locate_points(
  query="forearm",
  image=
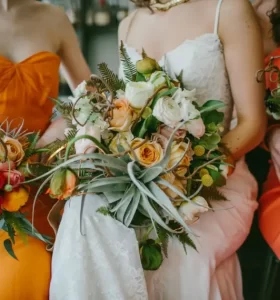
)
(243, 138)
(54, 131)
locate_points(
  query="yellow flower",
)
(178, 156)
(203, 172)
(207, 180)
(199, 150)
(148, 154)
(15, 149)
(14, 200)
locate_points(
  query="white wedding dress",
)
(102, 261)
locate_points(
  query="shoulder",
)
(237, 17)
(51, 14)
(124, 24)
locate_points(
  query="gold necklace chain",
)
(166, 6)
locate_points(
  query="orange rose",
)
(148, 154)
(122, 115)
(15, 150)
(14, 200)
(177, 152)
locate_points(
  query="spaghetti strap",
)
(218, 9)
(133, 14)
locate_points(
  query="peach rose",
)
(148, 154)
(122, 115)
(15, 150)
(166, 131)
(177, 152)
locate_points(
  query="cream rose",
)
(85, 145)
(196, 127)
(167, 111)
(177, 152)
(148, 154)
(137, 93)
(122, 115)
(190, 212)
(15, 150)
(122, 139)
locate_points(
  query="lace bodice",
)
(203, 65)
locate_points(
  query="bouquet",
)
(17, 146)
(146, 145)
(272, 97)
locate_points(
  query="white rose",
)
(137, 93)
(122, 139)
(85, 145)
(181, 94)
(158, 79)
(188, 110)
(190, 211)
(167, 111)
(80, 89)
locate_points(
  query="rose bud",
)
(146, 65)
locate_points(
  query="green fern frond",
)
(110, 78)
(33, 140)
(64, 109)
(212, 194)
(128, 66)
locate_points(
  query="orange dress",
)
(24, 91)
(269, 209)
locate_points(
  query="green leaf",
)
(211, 141)
(132, 209)
(9, 247)
(150, 124)
(140, 77)
(211, 105)
(110, 78)
(113, 196)
(129, 68)
(219, 179)
(180, 79)
(215, 117)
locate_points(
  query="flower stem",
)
(88, 137)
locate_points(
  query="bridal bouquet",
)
(148, 147)
(16, 149)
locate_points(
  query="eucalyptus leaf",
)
(2, 223)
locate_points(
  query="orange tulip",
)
(62, 184)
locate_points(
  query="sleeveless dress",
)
(24, 91)
(100, 260)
